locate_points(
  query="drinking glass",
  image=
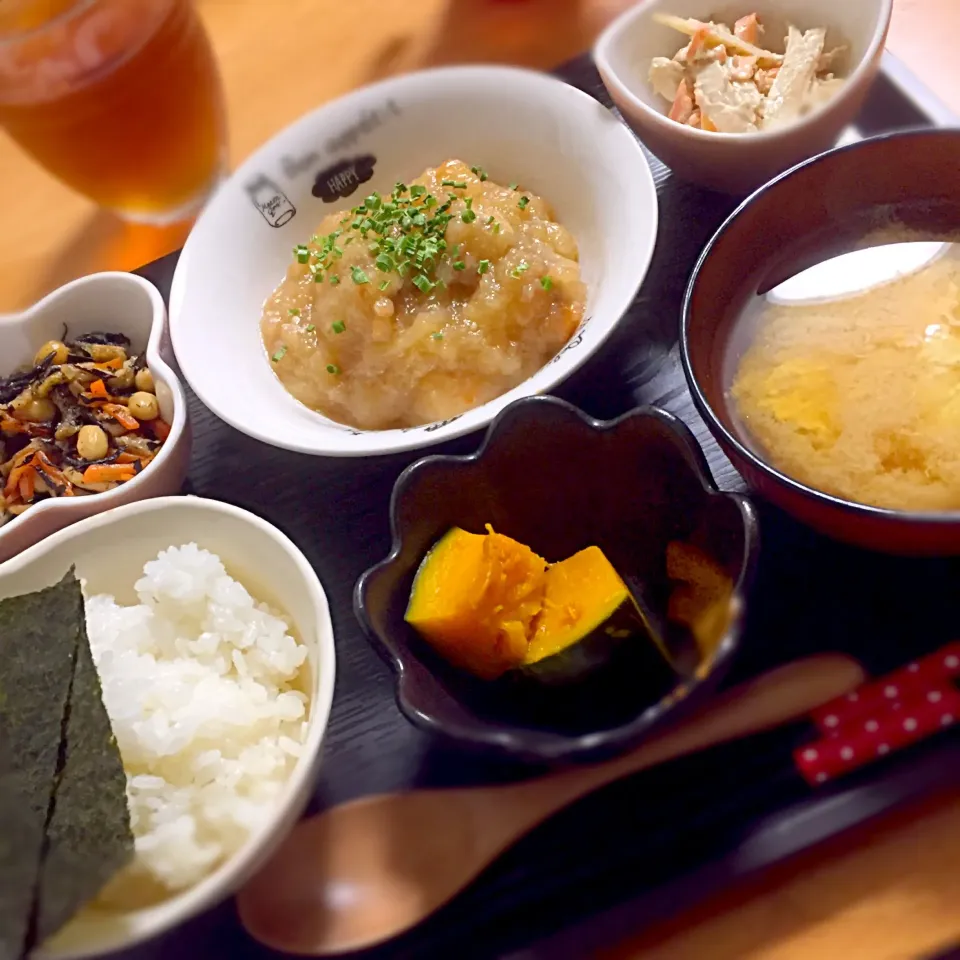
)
(120, 99)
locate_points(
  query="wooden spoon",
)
(363, 872)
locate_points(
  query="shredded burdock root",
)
(722, 81)
(81, 420)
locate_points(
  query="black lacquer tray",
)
(641, 849)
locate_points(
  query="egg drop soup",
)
(860, 396)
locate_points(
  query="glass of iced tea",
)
(120, 99)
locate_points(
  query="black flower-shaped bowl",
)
(555, 479)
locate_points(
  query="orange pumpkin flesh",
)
(588, 612)
(474, 600)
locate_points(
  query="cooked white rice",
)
(199, 681)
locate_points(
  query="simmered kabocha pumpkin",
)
(588, 612)
(474, 600)
(702, 596)
(489, 604)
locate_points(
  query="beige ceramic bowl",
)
(118, 303)
(108, 552)
(739, 162)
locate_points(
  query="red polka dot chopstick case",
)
(882, 716)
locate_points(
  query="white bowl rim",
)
(155, 362)
(559, 370)
(626, 21)
(141, 925)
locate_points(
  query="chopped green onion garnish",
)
(303, 254)
(479, 172)
(278, 356)
(513, 186)
(546, 283)
(404, 233)
(522, 202)
(294, 312)
(489, 220)
(521, 268)
(338, 326)
(483, 266)
(437, 335)
(310, 328)
(333, 368)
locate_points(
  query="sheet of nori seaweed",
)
(38, 645)
(21, 846)
(88, 837)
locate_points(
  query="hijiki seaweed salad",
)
(81, 420)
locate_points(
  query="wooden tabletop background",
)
(887, 892)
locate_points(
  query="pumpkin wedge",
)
(588, 612)
(474, 600)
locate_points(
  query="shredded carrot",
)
(99, 389)
(747, 28)
(10, 425)
(26, 484)
(52, 473)
(697, 41)
(122, 415)
(682, 108)
(161, 429)
(131, 459)
(108, 473)
(16, 474)
(114, 364)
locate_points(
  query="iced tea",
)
(120, 99)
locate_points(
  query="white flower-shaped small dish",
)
(518, 125)
(108, 552)
(115, 303)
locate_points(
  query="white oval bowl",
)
(118, 303)
(519, 125)
(738, 162)
(109, 552)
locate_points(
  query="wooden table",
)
(887, 892)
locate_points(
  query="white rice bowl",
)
(205, 691)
